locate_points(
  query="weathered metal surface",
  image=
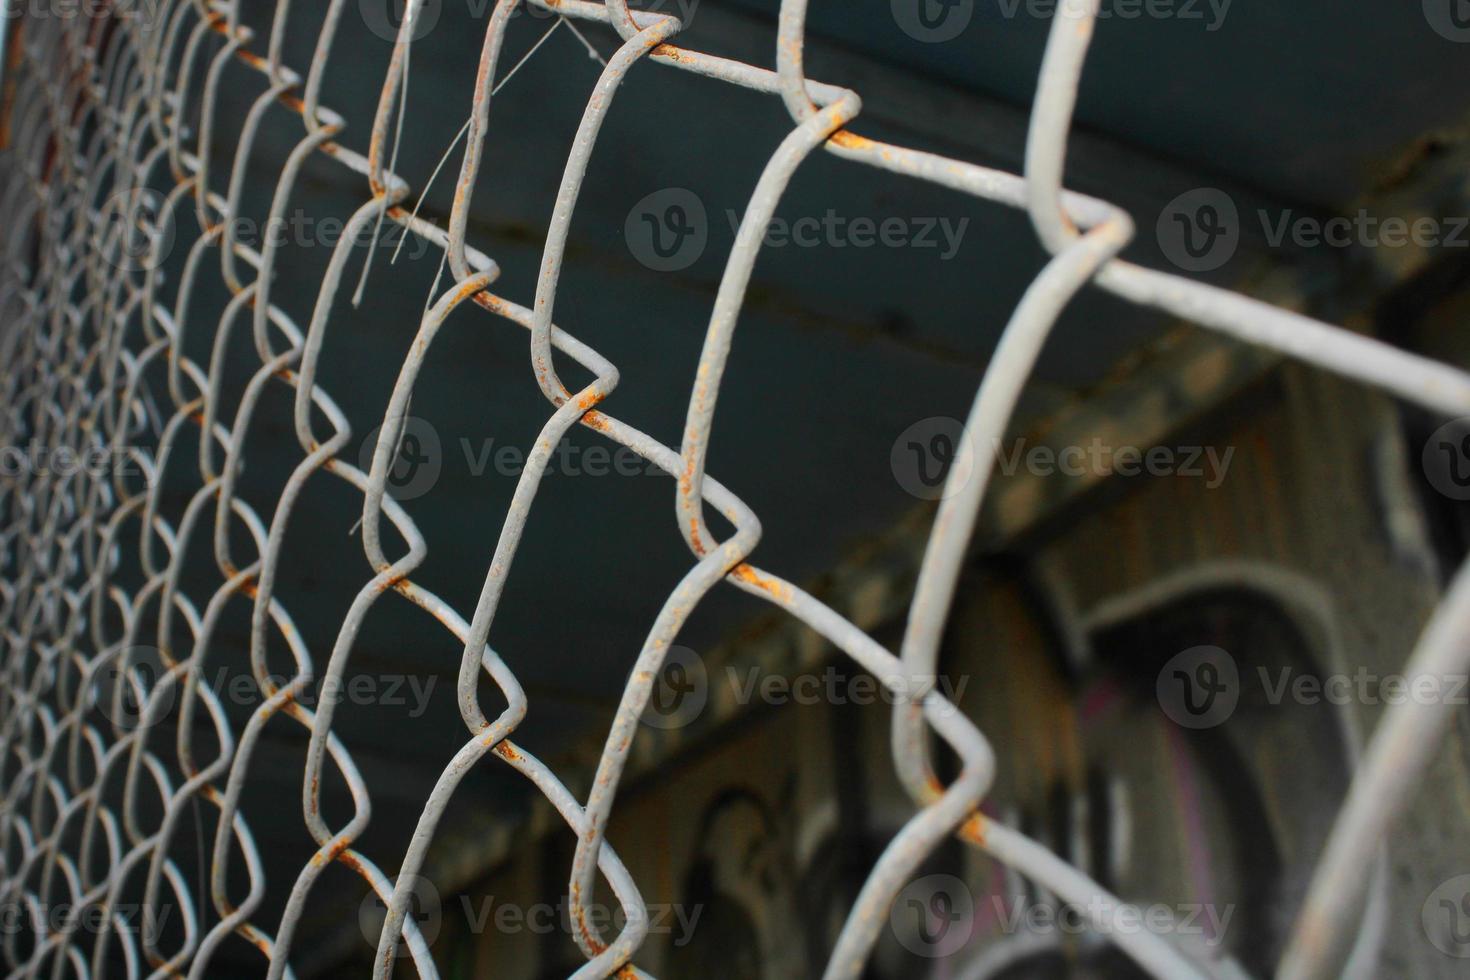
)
(103, 103)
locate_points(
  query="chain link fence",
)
(111, 741)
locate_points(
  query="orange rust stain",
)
(851, 140)
(507, 751)
(667, 51)
(694, 536)
(973, 829)
(595, 420)
(469, 288)
(746, 573)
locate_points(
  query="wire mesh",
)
(99, 111)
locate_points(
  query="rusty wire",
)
(81, 329)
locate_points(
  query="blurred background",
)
(1166, 493)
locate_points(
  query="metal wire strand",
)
(110, 109)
